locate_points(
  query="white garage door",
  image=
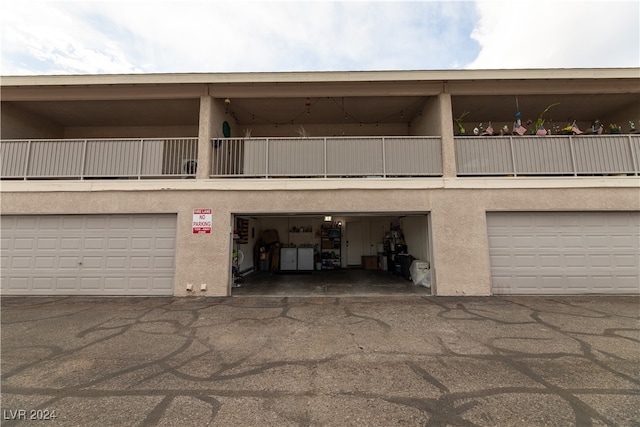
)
(564, 252)
(88, 254)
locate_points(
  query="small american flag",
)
(520, 130)
(488, 130)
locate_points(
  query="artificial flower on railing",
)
(567, 130)
(488, 131)
(480, 130)
(539, 127)
(461, 129)
(614, 128)
(597, 127)
(571, 129)
(517, 126)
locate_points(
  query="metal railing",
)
(322, 157)
(98, 158)
(556, 155)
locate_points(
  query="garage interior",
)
(331, 254)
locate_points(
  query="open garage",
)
(331, 253)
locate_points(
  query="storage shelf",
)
(330, 247)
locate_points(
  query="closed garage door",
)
(564, 252)
(88, 254)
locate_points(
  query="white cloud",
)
(137, 36)
(194, 36)
(557, 34)
(44, 35)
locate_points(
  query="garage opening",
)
(327, 254)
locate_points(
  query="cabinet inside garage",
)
(277, 245)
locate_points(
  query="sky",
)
(156, 36)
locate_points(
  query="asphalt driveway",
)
(348, 361)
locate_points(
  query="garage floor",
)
(340, 282)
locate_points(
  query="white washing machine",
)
(288, 259)
(305, 259)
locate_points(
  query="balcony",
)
(345, 157)
(560, 155)
(320, 157)
(98, 158)
(230, 158)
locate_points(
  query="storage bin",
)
(370, 262)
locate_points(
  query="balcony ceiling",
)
(502, 108)
(246, 111)
(330, 109)
(156, 112)
(325, 110)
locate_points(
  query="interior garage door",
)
(88, 254)
(564, 252)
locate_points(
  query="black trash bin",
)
(404, 261)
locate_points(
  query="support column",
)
(204, 137)
(446, 132)
(460, 244)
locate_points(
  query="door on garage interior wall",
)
(354, 243)
(376, 235)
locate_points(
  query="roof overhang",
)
(85, 100)
(325, 77)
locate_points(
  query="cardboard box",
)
(370, 262)
(270, 236)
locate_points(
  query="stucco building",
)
(151, 184)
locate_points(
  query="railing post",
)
(384, 159)
(573, 157)
(325, 157)
(634, 159)
(26, 161)
(83, 166)
(266, 159)
(140, 154)
(513, 156)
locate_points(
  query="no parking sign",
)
(202, 221)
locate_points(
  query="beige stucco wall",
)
(329, 129)
(219, 115)
(428, 122)
(457, 216)
(448, 142)
(131, 132)
(18, 123)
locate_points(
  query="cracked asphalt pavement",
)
(347, 361)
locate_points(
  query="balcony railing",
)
(98, 158)
(347, 157)
(549, 155)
